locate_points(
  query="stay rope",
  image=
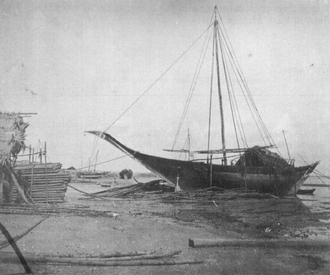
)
(249, 99)
(192, 88)
(229, 89)
(170, 67)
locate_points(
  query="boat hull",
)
(189, 175)
(198, 175)
(306, 191)
(90, 176)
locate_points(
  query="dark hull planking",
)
(306, 191)
(196, 175)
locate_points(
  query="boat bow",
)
(114, 142)
(145, 160)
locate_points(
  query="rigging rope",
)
(229, 86)
(233, 102)
(226, 49)
(192, 88)
(135, 101)
(124, 156)
(239, 76)
(250, 102)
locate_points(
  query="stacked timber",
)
(44, 182)
(134, 190)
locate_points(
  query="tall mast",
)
(219, 91)
(188, 144)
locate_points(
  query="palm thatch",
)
(12, 136)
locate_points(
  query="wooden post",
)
(1, 184)
(31, 182)
(177, 187)
(30, 154)
(245, 175)
(211, 172)
(177, 183)
(46, 174)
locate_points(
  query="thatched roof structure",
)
(258, 156)
(12, 136)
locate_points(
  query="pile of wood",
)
(157, 190)
(43, 182)
(134, 190)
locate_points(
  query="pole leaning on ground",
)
(16, 249)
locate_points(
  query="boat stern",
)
(309, 169)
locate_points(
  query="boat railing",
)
(290, 161)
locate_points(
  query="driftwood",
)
(127, 259)
(17, 237)
(111, 263)
(133, 256)
(11, 241)
(91, 256)
(269, 243)
(41, 210)
(147, 257)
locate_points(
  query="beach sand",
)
(144, 224)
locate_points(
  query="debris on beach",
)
(134, 258)
(133, 190)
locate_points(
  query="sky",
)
(80, 64)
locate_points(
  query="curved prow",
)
(149, 162)
(114, 142)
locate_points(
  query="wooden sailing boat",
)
(91, 174)
(255, 168)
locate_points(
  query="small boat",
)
(305, 191)
(317, 185)
(256, 168)
(91, 175)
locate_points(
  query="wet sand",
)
(144, 224)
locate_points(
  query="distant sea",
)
(320, 200)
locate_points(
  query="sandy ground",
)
(166, 226)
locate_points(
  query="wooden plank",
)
(268, 243)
